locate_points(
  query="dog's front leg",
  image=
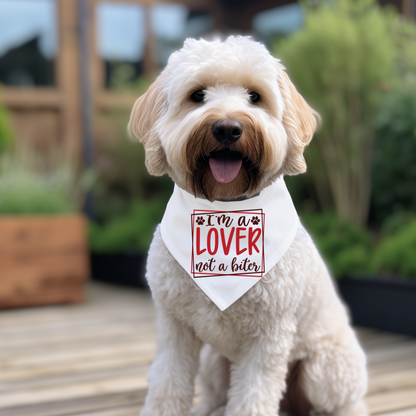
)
(172, 374)
(258, 379)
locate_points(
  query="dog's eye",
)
(254, 97)
(198, 96)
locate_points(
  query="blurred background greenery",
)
(353, 60)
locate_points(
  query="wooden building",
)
(45, 116)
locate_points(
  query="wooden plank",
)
(371, 337)
(21, 236)
(106, 100)
(43, 259)
(134, 360)
(48, 357)
(75, 406)
(123, 332)
(379, 339)
(125, 411)
(76, 391)
(44, 279)
(391, 352)
(42, 272)
(392, 400)
(395, 380)
(392, 365)
(91, 360)
(90, 376)
(411, 411)
(73, 322)
(68, 77)
(28, 98)
(136, 309)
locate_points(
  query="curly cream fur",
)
(292, 316)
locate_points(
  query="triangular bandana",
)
(227, 247)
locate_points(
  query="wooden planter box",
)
(123, 269)
(43, 260)
(380, 303)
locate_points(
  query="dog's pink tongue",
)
(224, 169)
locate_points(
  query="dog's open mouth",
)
(225, 165)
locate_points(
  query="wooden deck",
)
(92, 359)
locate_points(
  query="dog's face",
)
(223, 120)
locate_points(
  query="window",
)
(28, 42)
(135, 40)
(279, 21)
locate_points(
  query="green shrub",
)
(6, 135)
(346, 247)
(341, 61)
(394, 167)
(27, 189)
(396, 222)
(397, 253)
(129, 233)
(123, 177)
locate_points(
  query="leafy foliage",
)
(27, 189)
(346, 247)
(341, 66)
(394, 168)
(396, 222)
(129, 233)
(6, 134)
(123, 177)
(396, 253)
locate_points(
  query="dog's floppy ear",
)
(146, 112)
(300, 122)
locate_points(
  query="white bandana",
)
(227, 247)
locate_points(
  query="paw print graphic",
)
(200, 220)
(255, 220)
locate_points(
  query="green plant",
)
(129, 233)
(123, 177)
(396, 222)
(6, 134)
(345, 246)
(394, 168)
(26, 188)
(396, 253)
(123, 77)
(341, 61)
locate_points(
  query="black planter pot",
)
(123, 269)
(380, 303)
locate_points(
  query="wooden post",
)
(86, 104)
(150, 66)
(409, 9)
(68, 77)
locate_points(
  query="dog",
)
(286, 344)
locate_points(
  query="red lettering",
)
(253, 237)
(226, 244)
(210, 251)
(238, 238)
(198, 242)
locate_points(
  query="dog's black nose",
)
(227, 131)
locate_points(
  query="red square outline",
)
(206, 212)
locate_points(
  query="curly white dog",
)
(225, 122)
